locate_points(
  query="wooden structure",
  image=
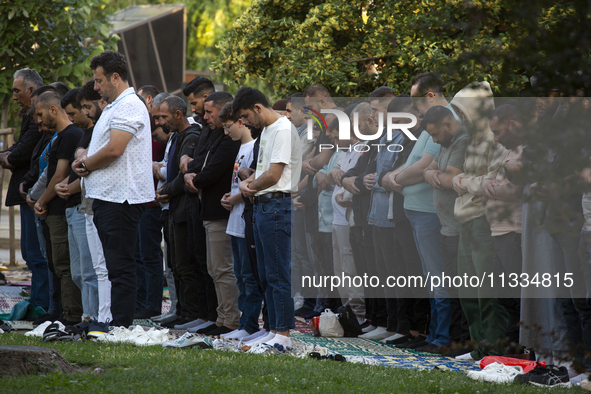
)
(6, 140)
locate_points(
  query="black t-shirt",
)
(76, 199)
(63, 147)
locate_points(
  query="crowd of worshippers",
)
(245, 197)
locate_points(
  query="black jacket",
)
(20, 158)
(362, 202)
(175, 188)
(31, 177)
(213, 166)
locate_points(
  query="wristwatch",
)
(83, 165)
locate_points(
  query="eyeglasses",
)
(227, 128)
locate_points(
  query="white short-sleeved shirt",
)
(235, 221)
(280, 143)
(129, 178)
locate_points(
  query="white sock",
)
(256, 335)
(266, 339)
(239, 335)
(281, 340)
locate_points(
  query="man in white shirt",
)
(276, 177)
(118, 175)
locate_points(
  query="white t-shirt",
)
(235, 221)
(280, 143)
(129, 178)
(346, 162)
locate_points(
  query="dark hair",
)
(383, 91)
(42, 89)
(48, 99)
(295, 95)
(219, 99)
(143, 100)
(505, 113)
(149, 90)
(400, 103)
(60, 88)
(246, 98)
(279, 105)
(111, 62)
(88, 93)
(317, 90)
(427, 82)
(226, 114)
(198, 85)
(71, 98)
(435, 115)
(174, 104)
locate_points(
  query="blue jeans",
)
(250, 298)
(149, 260)
(426, 229)
(83, 273)
(272, 231)
(31, 252)
(43, 248)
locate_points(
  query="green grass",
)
(130, 369)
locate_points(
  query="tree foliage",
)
(57, 38)
(356, 46)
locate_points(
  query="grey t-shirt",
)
(444, 200)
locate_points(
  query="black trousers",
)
(165, 218)
(205, 295)
(458, 328)
(117, 226)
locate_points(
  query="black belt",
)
(269, 196)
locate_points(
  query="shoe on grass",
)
(545, 376)
(188, 340)
(97, 329)
(497, 373)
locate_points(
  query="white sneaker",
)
(236, 334)
(152, 337)
(189, 340)
(378, 333)
(392, 338)
(497, 373)
(466, 357)
(116, 335)
(38, 331)
(368, 328)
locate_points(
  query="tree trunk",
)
(29, 360)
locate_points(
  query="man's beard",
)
(25, 112)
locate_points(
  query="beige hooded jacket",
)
(483, 155)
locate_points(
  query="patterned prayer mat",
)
(358, 346)
(9, 296)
